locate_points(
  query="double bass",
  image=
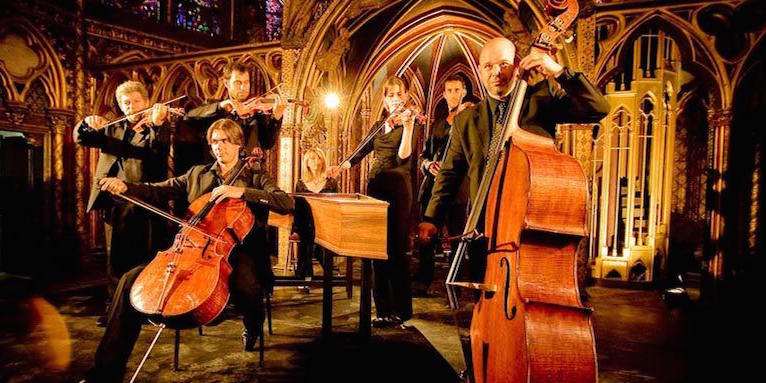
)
(529, 324)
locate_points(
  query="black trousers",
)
(392, 290)
(124, 322)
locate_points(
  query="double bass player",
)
(564, 97)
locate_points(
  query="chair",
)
(177, 342)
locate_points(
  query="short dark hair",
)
(237, 66)
(455, 77)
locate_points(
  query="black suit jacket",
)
(545, 105)
(260, 130)
(144, 157)
(261, 194)
(434, 149)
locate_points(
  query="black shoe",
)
(248, 340)
(389, 321)
(380, 322)
(101, 321)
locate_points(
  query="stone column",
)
(366, 124)
(286, 145)
(58, 124)
(586, 46)
(720, 126)
(80, 154)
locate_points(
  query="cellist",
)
(563, 97)
(251, 273)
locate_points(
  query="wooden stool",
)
(291, 260)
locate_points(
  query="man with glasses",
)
(562, 97)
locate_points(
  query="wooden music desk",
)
(349, 225)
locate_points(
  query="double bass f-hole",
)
(506, 264)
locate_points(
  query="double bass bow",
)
(529, 324)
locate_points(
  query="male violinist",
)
(563, 97)
(260, 121)
(133, 150)
(430, 163)
(251, 270)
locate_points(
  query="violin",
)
(173, 113)
(405, 112)
(177, 112)
(263, 104)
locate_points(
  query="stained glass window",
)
(199, 15)
(149, 9)
(274, 11)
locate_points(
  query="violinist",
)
(133, 150)
(391, 179)
(259, 118)
(562, 97)
(430, 162)
(251, 270)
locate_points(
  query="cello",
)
(187, 285)
(529, 324)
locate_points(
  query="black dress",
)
(391, 180)
(304, 226)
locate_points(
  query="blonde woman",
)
(314, 179)
(314, 174)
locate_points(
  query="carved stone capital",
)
(16, 116)
(59, 120)
(719, 118)
(287, 130)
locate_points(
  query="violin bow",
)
(142, 111)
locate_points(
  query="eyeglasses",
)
(503, 65)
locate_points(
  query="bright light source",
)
(331, 100)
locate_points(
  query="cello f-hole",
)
(504, 263)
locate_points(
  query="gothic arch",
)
(133, 55)
(466, 17)
(695, 50)
(22, 39)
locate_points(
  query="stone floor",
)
(639, 338)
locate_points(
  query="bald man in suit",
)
(563, 97)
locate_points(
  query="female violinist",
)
(391, 179)
(251, 271)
